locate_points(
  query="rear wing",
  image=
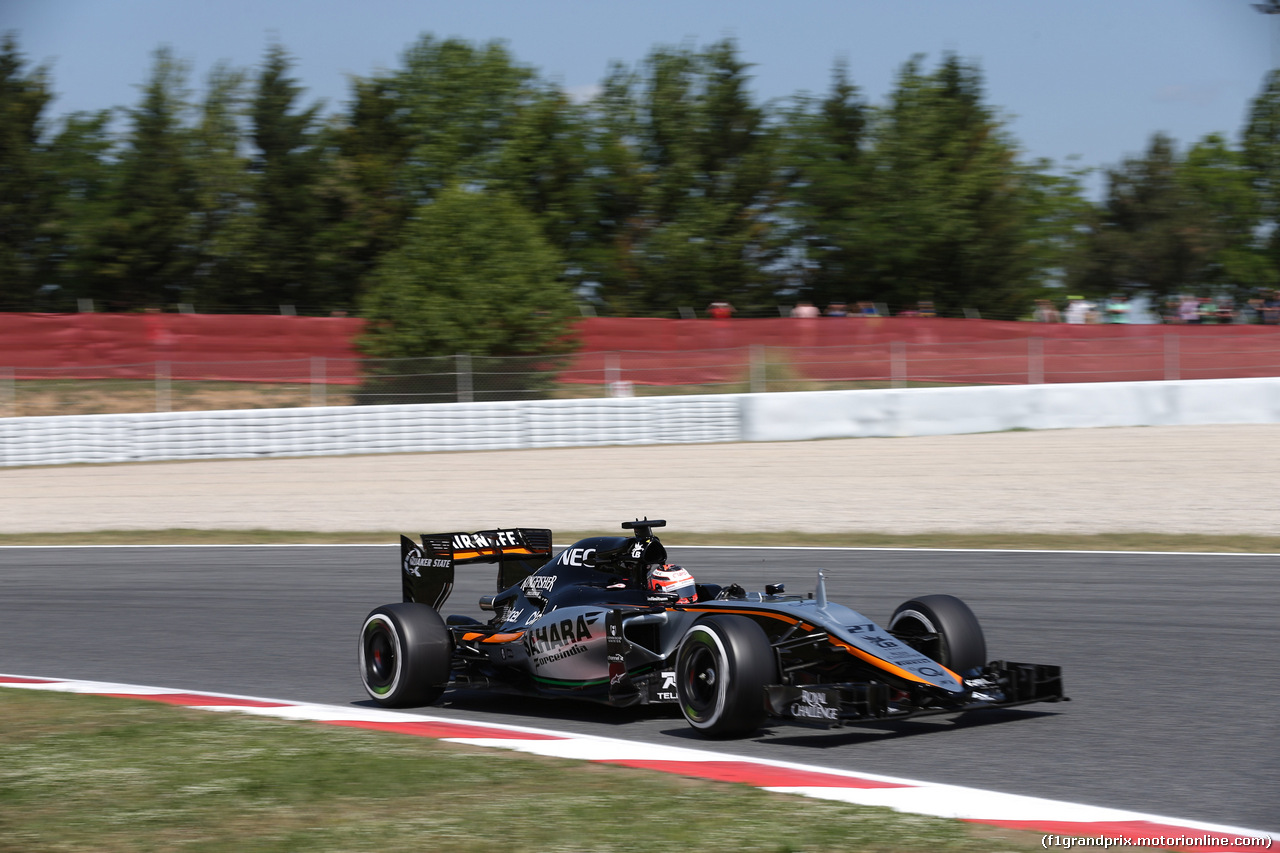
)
(426, 573)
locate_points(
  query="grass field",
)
(103, 774)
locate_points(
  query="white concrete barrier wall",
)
(638, 420)
(951, 411)
(368, 429)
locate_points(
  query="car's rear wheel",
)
(722, 667)
(405, 655)
(944, 628)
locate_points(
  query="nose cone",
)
(875, 645)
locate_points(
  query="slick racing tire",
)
(722, 667)
(405, 655)
(944, 628)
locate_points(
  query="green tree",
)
(1261, 151)
(924, 198)
(26, 200)
(84, 175)
(826, 172)
(547, 166)
(1171, 223)
(286, 168)
(950, 213)
(474, 274)
(150, 234)
(1226, 218)
(692, 159)
(445, 116)
(618, 177)
(222, 215)
(363, 192)
(458, 103)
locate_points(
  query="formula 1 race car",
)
(608, 620)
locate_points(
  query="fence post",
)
(898, 364)
(465, 390)
(614, 384)
(759, 381)
(319, 390)
(163, 387)
(1172, 369)
(612, 372)
(1035, 361)
(8, 393)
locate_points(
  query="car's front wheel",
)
(722, 667)
(944, 628)
(405, 655)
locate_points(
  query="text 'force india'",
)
(592, 623)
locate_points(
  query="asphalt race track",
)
(1170, 659)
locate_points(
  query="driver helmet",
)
(672, 580)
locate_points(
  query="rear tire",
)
(959, 644)
(406, 652)
(722, 667)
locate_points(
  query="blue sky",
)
(1090, 78)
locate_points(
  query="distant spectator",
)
(1208, 311)
(720, 310)
(1251, 312)
(1189, 310)
(804, 310)
(1270, 309)
(1046, 313)
(1225, 310)
(1078, 310)
(837, 309)
(867, 309)
(1118, 309)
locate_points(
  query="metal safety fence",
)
(175, 385)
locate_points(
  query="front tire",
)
(722, 667)
(406, 652)
(944, 628)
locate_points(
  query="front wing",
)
(1001, 684)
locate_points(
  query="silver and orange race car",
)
(607, 619)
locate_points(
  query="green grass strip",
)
(101, 774)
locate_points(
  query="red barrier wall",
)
(269, 348)
(664, 352)
(624, 333)
(205, 346)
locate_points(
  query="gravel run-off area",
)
(1191, 479)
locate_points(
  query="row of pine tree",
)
(463, 184)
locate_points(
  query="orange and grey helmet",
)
(672, 580)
